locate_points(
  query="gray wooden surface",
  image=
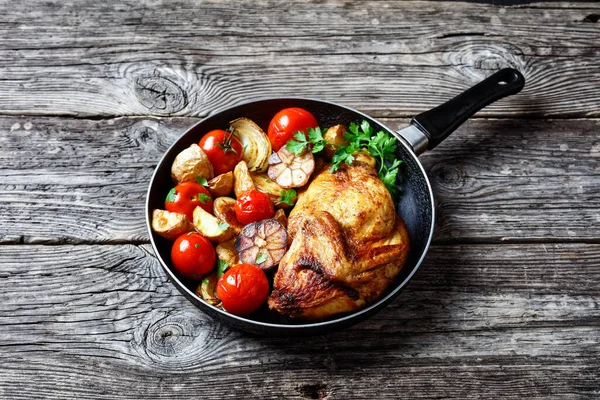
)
(507, 302)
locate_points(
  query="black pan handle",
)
(442, 120)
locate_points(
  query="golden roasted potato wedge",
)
(170, 225)
(226, 252)
(266, 185)
(190, 164)
(280, 217)
(207, 289)
(221, 185)
(242, 179)
(334, 135)
(211, 227)
(224, 209)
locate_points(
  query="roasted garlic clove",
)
(262, 243)
(290, 170)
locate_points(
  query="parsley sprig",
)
(362, 138)
(287, 197)
(315, 138)
(380, 145)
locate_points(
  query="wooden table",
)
(507, 302)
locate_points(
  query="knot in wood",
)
(449, 176)
(170, 337)
(160, 94)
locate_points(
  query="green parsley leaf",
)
(261, 258)
(287, 197)
(197, 245)
(171, 196)
(223, 265)
(380, 145)
(299, 145)
(223, 226)
(201, 181)
(204, 198)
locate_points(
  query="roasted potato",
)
(266, 185)
(190, 164)
(224, 209)
(242, 179)
(207, 289)
(221, 185)
(170, 225)
(334, 135)
(226, 251)
(211, 227)
(280, 217)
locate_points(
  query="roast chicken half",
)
(348, 245)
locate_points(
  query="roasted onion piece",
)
(262, 243)
(257, 147)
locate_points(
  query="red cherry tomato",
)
(253, 206)
(287, 122)
(223, 150)
(193, 256)
(243, 289)
(186, 196)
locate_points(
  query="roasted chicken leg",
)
(348, 245)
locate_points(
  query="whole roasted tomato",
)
(243, 289)
(186, 196)
(252, 206)
(287, 122)
(192, 255)
(223, 150)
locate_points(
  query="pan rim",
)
(348, 318)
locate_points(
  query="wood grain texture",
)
(477, 320)
(71, 180)
(388, 58)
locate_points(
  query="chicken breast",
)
(348, 245)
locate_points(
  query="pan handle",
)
(442, 120)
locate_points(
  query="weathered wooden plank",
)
(70, 180)
(388, 58)
(102, 321)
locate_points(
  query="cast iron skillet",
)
(415, 206)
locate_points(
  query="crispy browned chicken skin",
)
(348, 245)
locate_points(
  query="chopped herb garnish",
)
(171, 196)
(204, 198)
(201, 181)
(261, 258)
(197, 246)
(223, 226)
(223, 265)
(287, 197)
(205, 281)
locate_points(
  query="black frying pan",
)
(415, 205)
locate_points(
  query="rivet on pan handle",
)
(439, 122)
